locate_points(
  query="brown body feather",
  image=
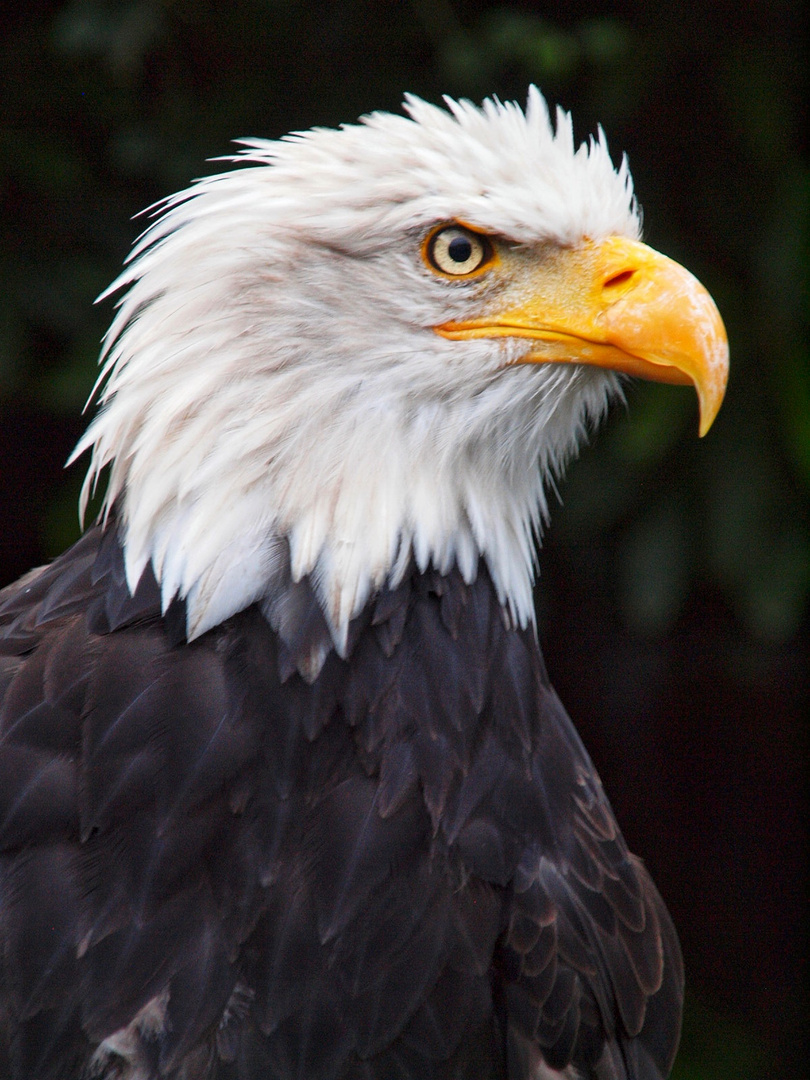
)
(407, 868)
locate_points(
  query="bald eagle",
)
(285, 792)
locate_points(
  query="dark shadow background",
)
(675, 578)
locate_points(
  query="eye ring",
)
(455, 251)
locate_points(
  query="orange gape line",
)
(562, 348)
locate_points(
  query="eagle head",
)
(374, 346)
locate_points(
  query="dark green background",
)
(675, 578)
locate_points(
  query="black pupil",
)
(459, 249)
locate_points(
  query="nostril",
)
(618, 279)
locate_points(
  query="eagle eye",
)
(456, 251)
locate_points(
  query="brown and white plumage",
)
(285, 789)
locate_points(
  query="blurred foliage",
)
(712, 1048)
(715, 1049)
(109, 105)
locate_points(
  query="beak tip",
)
(708, 414)
(711, 393)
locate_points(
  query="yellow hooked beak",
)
(616, 304)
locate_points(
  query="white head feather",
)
(275, 399)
